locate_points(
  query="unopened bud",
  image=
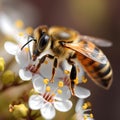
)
(2, 64)
(20, 111)
(8, 77)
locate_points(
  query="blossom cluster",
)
(50, 95)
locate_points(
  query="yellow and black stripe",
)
(101, 74)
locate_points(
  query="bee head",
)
(43, 41)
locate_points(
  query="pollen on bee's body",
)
(46, 81)
(19, 24)
(60, 84)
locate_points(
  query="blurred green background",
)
(100, 18)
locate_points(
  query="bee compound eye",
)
(43, 41)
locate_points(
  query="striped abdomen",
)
(101, 74)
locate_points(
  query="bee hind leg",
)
(73, 76)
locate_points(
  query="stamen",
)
(66, 72)
(46, 62)
(84, 80)
(85, 117)
(60, 84)
(89, 104)
(85, 106)
(91, 115)
(19, 24)
(26, 50)
(48, 88)
(59, 91)
(29, 30)
(46, 81)
(21, 34)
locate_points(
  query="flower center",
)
(48, 97)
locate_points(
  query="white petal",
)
(66, 66)
(25, 75)
(11, 48)
(65, 95)
(36, 102)
(78, 106)
(81, 92)
(38, 84)
(46, 69)
(22, 58)
(63, 106)
(48, 111)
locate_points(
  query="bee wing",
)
(89, 50)
(98, 41)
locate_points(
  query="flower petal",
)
(48, 111)
(78, 106)
(25, 75)
(81, 92)
(63, 106)
(22, 58)
(65, 95)
(11, 48)
(36, 102)
(38, 84)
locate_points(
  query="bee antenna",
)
(27, 43)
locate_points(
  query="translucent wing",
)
(98, 41)
(89, 50)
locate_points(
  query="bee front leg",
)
(73, 75)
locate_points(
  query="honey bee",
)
(68, 44)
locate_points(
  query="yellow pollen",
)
(89, 104)
(60, 84)
(91, 115)
(46, 81)
(29, 30)
(85, 117)
(85, 106)
(66, 72)
(59, 91)
(21, 34)
(84, 80)
(48, 88)
(19, 24)
(26, 50)
(46, 62)
(76, 81)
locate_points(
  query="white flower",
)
(81, 110)
(51, 96)
(23, 58)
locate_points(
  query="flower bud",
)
(2, 64)
(20, 111)
(8, 77)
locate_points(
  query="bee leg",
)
(54, 68)
(41, 61)
(73, 75)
